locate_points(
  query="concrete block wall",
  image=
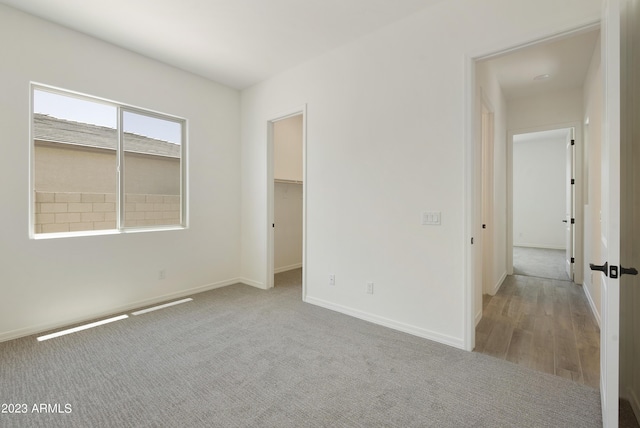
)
(73, 211)
(151, 210)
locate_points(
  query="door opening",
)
(286, 196)
(525, 106)
(616, 15)
(543, 204)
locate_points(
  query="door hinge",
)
(573, 142)
(573, 259)
(573, 181)
(471, 241)
(573, 221)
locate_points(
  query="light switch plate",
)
(431, 218)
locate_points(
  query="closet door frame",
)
(302, 110)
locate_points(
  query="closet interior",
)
(288, 193)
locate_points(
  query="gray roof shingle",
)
(48, 128)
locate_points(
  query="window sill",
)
(45, 236)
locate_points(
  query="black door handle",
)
(564, 221)
(628, 271)
(602, 268)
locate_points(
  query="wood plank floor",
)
(544, 324)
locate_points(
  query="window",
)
(99, 165)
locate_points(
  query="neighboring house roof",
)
(51, 129)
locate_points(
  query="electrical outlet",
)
(162, 274)
(369, 287)
(332, 279)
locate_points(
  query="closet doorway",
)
(286, 195)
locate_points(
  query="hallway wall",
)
(593, 105)
(489, 89)
(539, 191)
(528, 114)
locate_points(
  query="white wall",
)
(593, 134)
(57, 281)
(287, 215)
(547, 111)
(287, 149)
(385, 142)
(489, 89)
(539, 193)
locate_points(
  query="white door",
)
(569, 202)
(630, 204)
(610, 218)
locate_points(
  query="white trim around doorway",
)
(471, 169)
(302, 110)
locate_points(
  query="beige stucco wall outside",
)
(68, 168)
(75, 189)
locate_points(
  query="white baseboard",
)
(635, 403)
(406, 328)
(492, 292)
(287, 268)
(586, 285)
(478, 317)
(498, 284)
(28, 331)
(251, 282)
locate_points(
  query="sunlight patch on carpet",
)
(166, 305)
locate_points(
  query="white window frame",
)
(121, 108)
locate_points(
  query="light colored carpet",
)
(242, 357)
(539, 262)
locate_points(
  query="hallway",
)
(540, 262)
(544, 324)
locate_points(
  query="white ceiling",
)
(566, 60)
(235, 42)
